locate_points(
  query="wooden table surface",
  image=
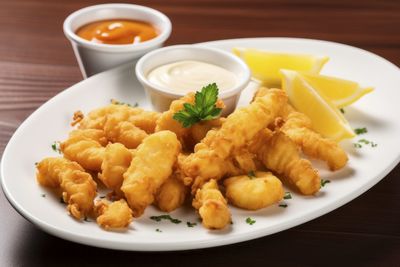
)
(36, 63)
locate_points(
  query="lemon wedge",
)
(325, 117)
(341, 92)
(265, 65)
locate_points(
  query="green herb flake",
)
(43, 195)
(251, 174)
(283, 205)
(324, 182)
(357, 145)
(158, 230)
(116, 102)
(359, 131)
(204, 107)
(287, 195)
(56, 147)
(190, 224)
(165, 217)
(250, 221)
(36, 163)
(364, 142)
(342, 110)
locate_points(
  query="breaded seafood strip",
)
(239, 128)
(87, 152)
(281, 155)
(117, 159)
(253, 193)
(125, 132)
(94, 134)
(171, 194)
(116, 215)
(298, 127)
(212, 206)
(151, 166)
(77, 186)
(96, 119)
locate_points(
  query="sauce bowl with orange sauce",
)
(108, 35)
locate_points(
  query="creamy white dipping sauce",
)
(189, 75)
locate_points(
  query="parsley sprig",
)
(204, 107)
(165, 217)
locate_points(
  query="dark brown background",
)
(36, 62)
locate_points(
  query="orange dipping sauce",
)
(117, 31)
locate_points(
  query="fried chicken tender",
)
(125, 132)
(171, 194)
(298, 127)
(96, 119)
(87, 152)
(115, 215)
(207, 162)
(77, 186)
(150, 167)
(212, 206)
(187, 136)
(281, 155)
(94, 134)
(117, 159)
(241, 162)
(253, 193)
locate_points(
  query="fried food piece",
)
(212, 206)
(117, 159)
(115, 215)
(94, 134)
(253, 193)
(124, 132)
(207, 162)
(150, 167)
(77, 186)
(298, 127)
(96, 119)
(187, 136)
(171, 194)
(281, 155)
(241, 162)
(87, 152)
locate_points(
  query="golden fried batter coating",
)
(212, 206)
(239, 128)
(87, 152)
(94, 134)
(124, 132)
(171, 194)
(96, 119)
(281, 155)
(253, 193)
(117, 159)
(298, 127)
(115, 215)
(77, 186)
(150, 167)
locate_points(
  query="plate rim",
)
(186, 245)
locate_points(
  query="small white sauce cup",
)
(161, 98)
(94, 57)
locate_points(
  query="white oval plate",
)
(378, 112)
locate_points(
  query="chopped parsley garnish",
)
(36, 163)
(204, 107)
(158, 230)
(116, 102)
(287, 195)
(43, 195)
(190, 224)
(324, 182)
(250, 221)
(364, 142)
(342, 110)
(56, 147)
(359, 131)
(251, 174)
(283, 205)
(165, 217)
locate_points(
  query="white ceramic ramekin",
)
(162, 98)
(93, 57)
